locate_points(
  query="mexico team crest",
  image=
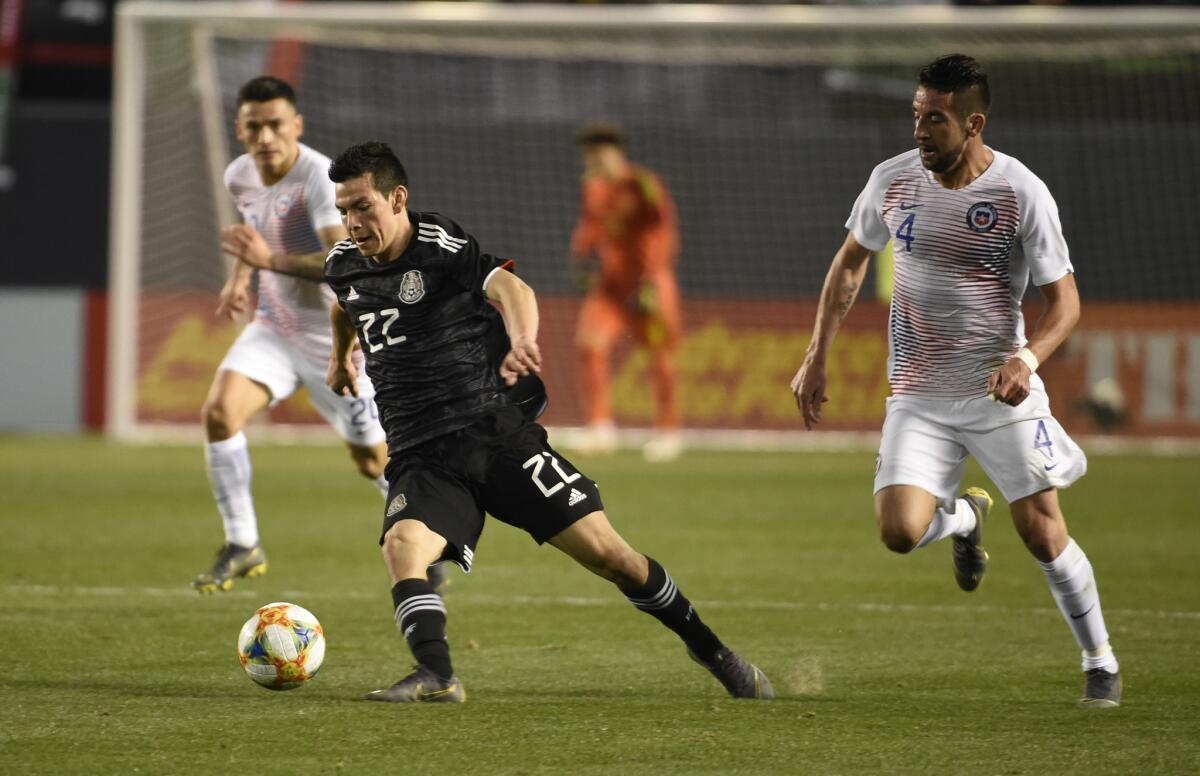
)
(982, 217)
(412, 287)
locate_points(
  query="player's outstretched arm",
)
(518, 305)
(244, 243)
(343, 375)
(235, 295)
(1010, 383)
(837, 296)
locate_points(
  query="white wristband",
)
(1026, 355)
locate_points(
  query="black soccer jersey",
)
(423, 323)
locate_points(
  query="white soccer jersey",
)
(288, 215)
(963, 259)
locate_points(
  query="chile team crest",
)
(982, 217)
(283, 205)
(412, 287)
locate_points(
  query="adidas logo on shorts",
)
(576, 497)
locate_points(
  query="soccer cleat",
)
(970, 559)
(597, 439)
(233, 561)
(663, 447)
(422, 686)
(740, 678)
(1101, 690)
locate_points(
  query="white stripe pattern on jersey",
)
(430, 602)
(660, 600)
(436, 234)
(953, 319)
(280, 213)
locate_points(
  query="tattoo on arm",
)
(847, 298)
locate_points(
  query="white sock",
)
(952, 518)
(1073, 585)
(229, 474)
(382, 483)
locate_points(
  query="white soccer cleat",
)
(663, 447)
(597, 439)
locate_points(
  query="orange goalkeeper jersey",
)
(630, 224)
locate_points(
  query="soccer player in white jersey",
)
(971, 227)
(285, 198)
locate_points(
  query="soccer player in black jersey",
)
(418, 293)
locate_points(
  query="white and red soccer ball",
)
(281, 646)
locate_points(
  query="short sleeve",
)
(1041, 236)
(471, 268)
(866, 217)
(319, 194)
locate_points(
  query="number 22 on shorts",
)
(537, 462)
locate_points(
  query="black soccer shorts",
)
(502, 464)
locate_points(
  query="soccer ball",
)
(281, 646)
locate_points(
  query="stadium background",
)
(763, 158)
(113, 665)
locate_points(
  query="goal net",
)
(764, 122)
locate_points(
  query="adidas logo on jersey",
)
(576, 497)
(350, 297)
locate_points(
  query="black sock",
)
(421, 617)
(660, 599)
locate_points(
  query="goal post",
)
(764, 122)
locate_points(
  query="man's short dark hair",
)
(960, 75)
(266, 88)
(370, 157)
(600, 133)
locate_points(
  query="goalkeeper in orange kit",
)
(627, 221)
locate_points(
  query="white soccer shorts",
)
(267, 357)
(1022, 449)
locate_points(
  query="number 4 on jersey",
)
(905, 232)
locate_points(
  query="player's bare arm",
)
(234, 299)
(1010, 383)
(518, 305)
(244, 243)
(841, 288)
(343, 375)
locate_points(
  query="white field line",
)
(615, 600)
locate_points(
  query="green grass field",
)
(112, 665)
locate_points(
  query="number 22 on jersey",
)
(389, 317)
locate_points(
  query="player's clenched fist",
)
(342, 377)
(244, 243)
(1010, 383)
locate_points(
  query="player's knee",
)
(218, 421)
(368, 463)
(898, 539)
(399, 540)
(897, 534)
(898, 531)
